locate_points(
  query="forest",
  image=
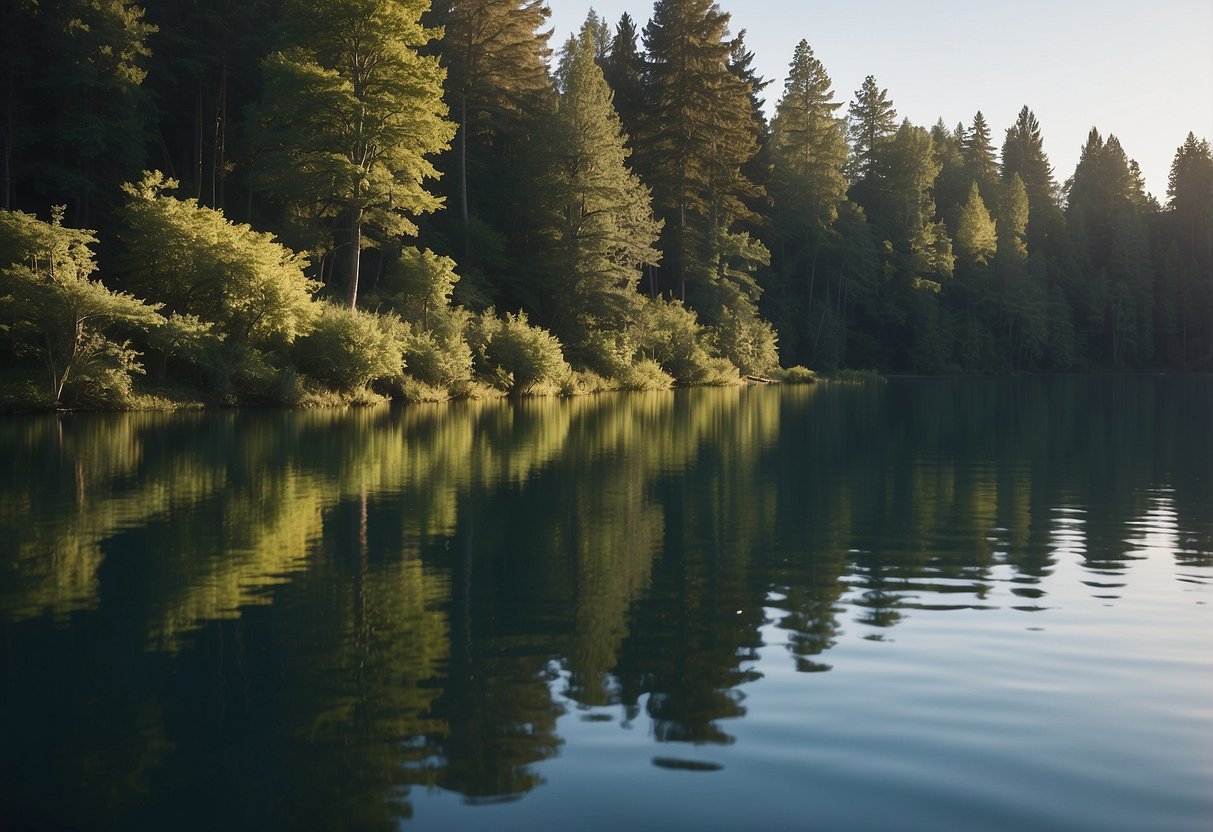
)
(306, 202)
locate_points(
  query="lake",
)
(938, 604)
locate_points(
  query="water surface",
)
(924, 604)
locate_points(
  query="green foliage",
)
(349, 349)
(795, 375)
(675, 340)
(439, 357)
(351, 112)
(527, 357)
(198, 264)
(697, 133)
(602, 227)
(976, 236)
(52, 309)
(76, 120)
(809, 150)
(872, 121)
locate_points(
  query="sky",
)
(1142, 71)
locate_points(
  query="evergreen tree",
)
(808, 184)
(624, 68)
(203, 74)
(978, 151)
(1012, 220)
(976, 237)
(809, 147)
(1023, 155)
(603, 226)
(498, 91)
(698, 132)
(1111, 290)
(350, 116)
(873, 120)
(952, 184)
(1188, 228)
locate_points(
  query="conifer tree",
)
(624, 68)
(976, 238)
(699, 130)
(809, 154)
(497, 84)
(352, 113)
(1186, 278)
(602, 219)
(1012, 220)
(1023, 154)
(809, 148)
(980, 163)
(872, 121)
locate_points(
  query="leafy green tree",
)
(351, 114)
(198, 263)
(976, 237)
(603, 228)
(52, 308)
(348, 348)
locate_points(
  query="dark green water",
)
(926, 604)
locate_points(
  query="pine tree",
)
(1112, 290)
(1023, 154)
(1012, 219)
(497, 83)
(623, 68)
(809, 154)
(873, 120)
(1186, 278)
(809, 147)
(976, 238)
(602, 219)
(698, 131)
(978, 151)
(351, 114)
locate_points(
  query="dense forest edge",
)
(310, 202)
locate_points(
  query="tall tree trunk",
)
(355, 257)
(463, 175)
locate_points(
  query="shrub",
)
(675, 340)
(529, 356)
(795, 375)
(349, 348)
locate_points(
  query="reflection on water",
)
(351, 611)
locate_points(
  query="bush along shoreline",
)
(236, 322)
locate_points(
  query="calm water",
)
(925, 604)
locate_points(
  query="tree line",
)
(316, 200)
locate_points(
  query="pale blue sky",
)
(1141, 71)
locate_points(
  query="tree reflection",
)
(370, 602)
